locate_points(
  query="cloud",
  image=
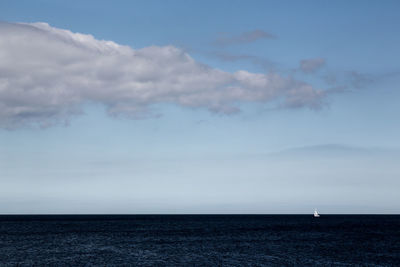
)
(359, 80)
(225, 39)
(47, 75)
(256, 60)
(311, 65)
(351, 80)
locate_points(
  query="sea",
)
(199, 240)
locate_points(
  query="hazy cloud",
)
(48, 74)
(359, 80)
(311, 65)
(225, 39)
(256, 60)
(355, 79)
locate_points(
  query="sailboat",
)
(316, 213)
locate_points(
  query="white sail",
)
(316, 213)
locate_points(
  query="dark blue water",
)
(200, 240)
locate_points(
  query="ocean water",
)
(200, 240)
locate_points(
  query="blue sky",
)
(323, 135)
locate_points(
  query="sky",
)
(156, 107)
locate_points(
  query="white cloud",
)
(48, 74)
